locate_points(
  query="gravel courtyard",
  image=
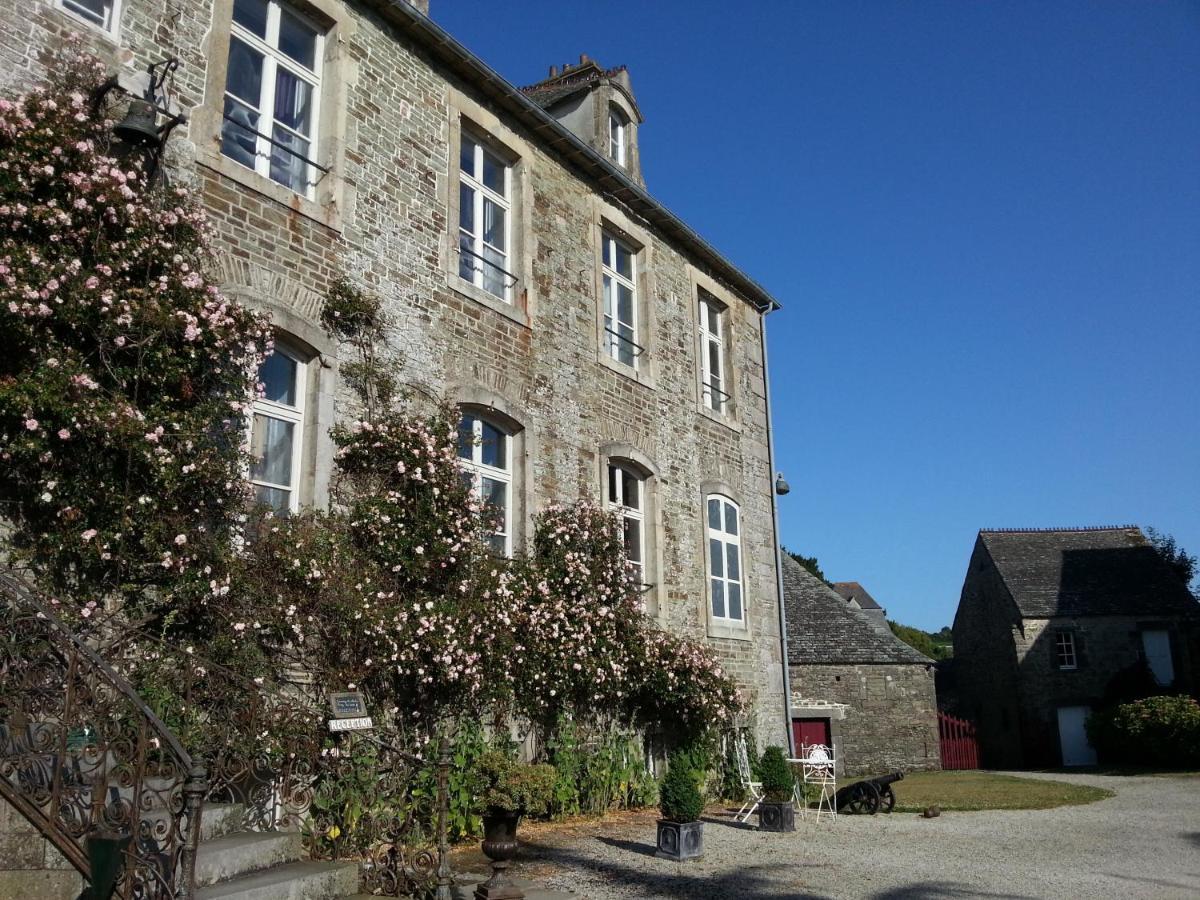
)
(1143, 842)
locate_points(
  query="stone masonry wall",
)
(887, 719)
(30, 866)
(382, 216)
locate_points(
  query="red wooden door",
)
(806, 732)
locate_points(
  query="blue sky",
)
(983, 221)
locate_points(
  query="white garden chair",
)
(753, 788)
(818, 768)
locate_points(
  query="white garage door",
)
(1076, 751)
(1157, 645)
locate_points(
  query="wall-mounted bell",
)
(140, 125)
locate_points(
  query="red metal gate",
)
(960, 746)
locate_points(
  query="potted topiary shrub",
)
(776, 812)
(505, 790)
(680, 831)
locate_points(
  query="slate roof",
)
(1086, 572)
(546, 97)
(823, 628)
(852, 590)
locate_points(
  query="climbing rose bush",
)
(125, 373)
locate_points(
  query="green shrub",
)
(1157, 731)
(777, 779)
(679, 796)
(505, 784)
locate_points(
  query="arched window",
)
(485, 454)
(725, 560)
(627, 496)
(277, 430)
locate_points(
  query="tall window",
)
(484, 452)
(1064, 650)
(272, 86)
(618, 136)
(103, 13)
(725, 559)
(484, 214)
(712, 355)
(620, 301)
(627, 496)
(276, 430)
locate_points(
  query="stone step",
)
(219, 819)
(225, 858)
(294, 881)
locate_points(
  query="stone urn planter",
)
(776, 816)
(680, 841)
(500, 846)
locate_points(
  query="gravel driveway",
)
(1143, 842)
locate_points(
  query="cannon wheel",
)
(887, 799)
(863, 798)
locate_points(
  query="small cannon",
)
(868, 796)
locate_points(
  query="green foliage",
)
(463, 819)
(935, 646)
(729, 785)
(777, 779)
(605, 772)
(1158, 731)
(808, 562)
(341, 804)
(1183, 563)
(680, 798)
(503, 783)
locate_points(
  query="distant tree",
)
(808, 562)
(1176, 557)
(921, 641)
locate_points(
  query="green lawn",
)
(973, 790)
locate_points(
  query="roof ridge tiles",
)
(1045, 530)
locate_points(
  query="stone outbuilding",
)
(1050, 622)
(854, 684)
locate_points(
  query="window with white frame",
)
(627, 497)
(725, 560)
(619, 272)
(1064, 650)
(272, 93)
(484, 218)
(276, 431)
(485, 454)
(618, 136)
(103, 14)
(713, 385)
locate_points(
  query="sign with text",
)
(349, 711)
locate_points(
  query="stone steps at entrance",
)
(293, 881)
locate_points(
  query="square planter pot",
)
(680, 840)
(776, 816)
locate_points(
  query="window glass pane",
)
(497, 544)
(293, 101)
(733, 570)
(493, 449)
(714, 513)
(735, 601)
(466, 262)
(494, 278)
(718, 598)
(238, 140)
(607, 245)
(624, 304)
(493, 173)
(243, 75)
(466, 437)
(297, 40)
(466, 156)
(493, 224)
(714, 359)
(288, 160)
(614, 480)
(731, 519)
(276, 498)
(633, 540)
(466, 208)
(716, 557)
(251, 15)
(278, 375)
(271, 450)
(625, 347)
(96, 11)
(608, 303)
(624, 261)
(495, 498)
(467, 478)
(633, 493)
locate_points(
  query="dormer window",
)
(618, 136)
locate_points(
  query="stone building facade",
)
(1049, 623)
(854, 684)
(596, 345)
